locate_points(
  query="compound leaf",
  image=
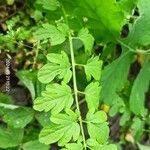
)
(55, 98)
(59, 66)
(92, 95)
(98, 117)
(93, 68)
(65, 128)
(73, 146)
(97, 126)
(87, 39)
(100, 132)
(48, 31)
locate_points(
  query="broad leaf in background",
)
(35, 145)
(43, 118)
(87, 39)
(93, 68)
(19, 117)
(140, 33)
(114, 77)
(10, 137)
(64, 129)
(6, 99)
(55, 98)
(48, 31)
(92, 95)
(128, 6)
(139, 89)
(104, 18)
(29, 79)
(59, 66)
(49, 4)
(98, 127)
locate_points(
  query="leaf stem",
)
(80, 65)
(133, 50)
(80, 102)
(8, 106)
(76, 90)
(81, 92)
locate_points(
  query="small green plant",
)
(69, 127)
(79, 60)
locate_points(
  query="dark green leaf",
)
(104, 18)
(10, 137)
(139, 89)
(114, 77)
(19, 117)
(35, 145)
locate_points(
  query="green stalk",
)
(74, 79)
(76, 90)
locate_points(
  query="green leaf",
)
(43, 118)
(100, 132)
(6, 99)
(128, 6)
(59, 66)
(104, 18)
(98, 127)
(139, 34)
(93, 68)
(109, 147)
(55, 98)
(116, 71)
(125, 117)
(143, 147)
(19, 117)
(98, 117)
(73, 146)
(137, 128)
(65, 128)
(49, 4)
(92, 95)
(63, 28)
(139, 89)
(35, 145)
(94, 145)
(10, 137)
(87, 39)
(29, 79)
(48, 31)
